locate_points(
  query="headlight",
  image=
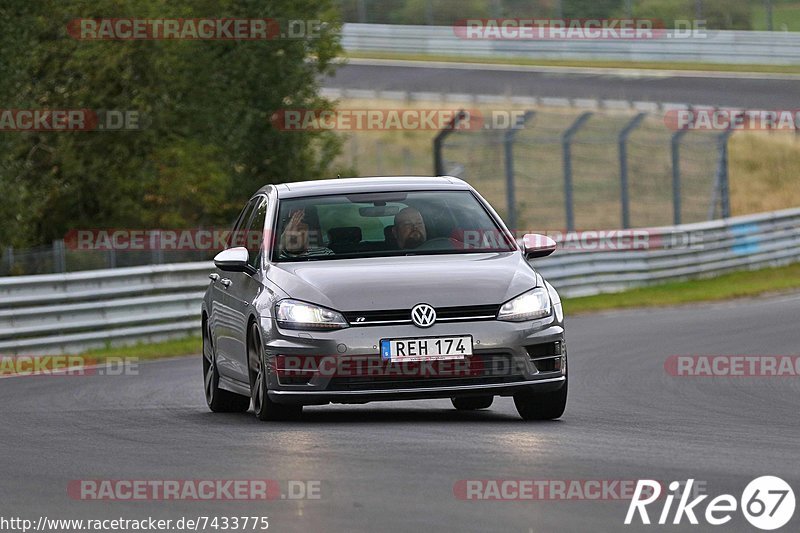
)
(529, 306)
(292, 314)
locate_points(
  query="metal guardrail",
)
(743, 47)
(75, 311)
(719, 246)
(91, 309)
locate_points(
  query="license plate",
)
(426, 349)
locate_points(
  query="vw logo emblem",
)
(423, 315)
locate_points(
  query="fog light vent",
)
(548, 356)
(547, 349)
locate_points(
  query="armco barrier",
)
(742, 47)
(71, 312)
(739, 243)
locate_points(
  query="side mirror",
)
(535, 245)
(234, 260)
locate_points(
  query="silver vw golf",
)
(370, 289)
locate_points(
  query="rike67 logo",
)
(767, 503)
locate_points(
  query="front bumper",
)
(417, 393)
(507, 358)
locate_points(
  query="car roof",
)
(301, 189)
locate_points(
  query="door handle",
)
(226, 282)
(213, 276)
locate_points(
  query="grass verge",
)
(642, 65)
(156, 350)
(114, 355)
(725, 287)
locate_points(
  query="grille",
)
(403, 316)
(475, 370)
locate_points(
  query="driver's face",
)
(409, 228)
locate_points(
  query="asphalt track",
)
(714, 89)
(393, 466)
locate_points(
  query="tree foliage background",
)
(208, 143)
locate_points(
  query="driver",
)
(303, 225)
(409, 228)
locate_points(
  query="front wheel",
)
(218, 400)
(541, 405)
(265, 408)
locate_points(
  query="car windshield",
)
(385, 224)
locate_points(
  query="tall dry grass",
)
(764, 172)
(764, 167)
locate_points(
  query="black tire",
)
(265, 409)
(541, 405)
(472, 403)
(218, 400)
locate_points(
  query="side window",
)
(236, 237)
(255, 233)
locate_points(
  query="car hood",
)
(373, 284)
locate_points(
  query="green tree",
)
(207, 143)
(578, 9)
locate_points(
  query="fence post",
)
(429, 14)
(438, 141)
(10, 258)
(156, 252)
(508, 148)
(676, 170)
(379, 157)
(770, 18)
(566, 144)
(623, 167)
(796, 126)
(59, 259)
(362, 11)
(722, 173)
(353, 151)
